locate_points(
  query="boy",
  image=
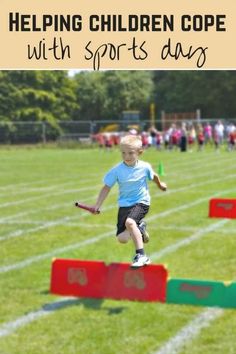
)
(134, 199)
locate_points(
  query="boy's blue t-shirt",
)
(132, 181)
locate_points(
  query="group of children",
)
(189, 135)
(183, 137)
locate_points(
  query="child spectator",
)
(200, 138)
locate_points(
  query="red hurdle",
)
(222, 208)
(95, 279)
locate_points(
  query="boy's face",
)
(130, 155)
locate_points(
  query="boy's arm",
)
(101, 197)
(161, 185)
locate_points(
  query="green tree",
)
(37, 96)
(91, 95)
(127, 90)
(104, 95)
(213, 92)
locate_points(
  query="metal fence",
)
(41, 132)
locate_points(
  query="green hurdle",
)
(201, 293)
(229, 300)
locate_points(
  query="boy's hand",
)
(95, 210)
(163, 186)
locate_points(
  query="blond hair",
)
(133, 141)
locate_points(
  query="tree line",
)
(54, 96)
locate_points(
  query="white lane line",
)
(191, 176)
(46, 225)
(186, 241)
(32, 199)
(188, 205)
(37, 211)
(193, 185)
(90, 226)
(195, 160)
(10, 327)
(54, 253)
(227, 231)
(23, 222)
(50, 188)
(173, 227)
(42, 222)
(37, 189)
(43, 182)
(55, 206)
(197, 166)
(16, 185)
(190, 331)
(60, 221)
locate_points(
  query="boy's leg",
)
(138, 213)
(129, 219)
(143, 228)
(135, 233)
(124, 236)
(140, 258)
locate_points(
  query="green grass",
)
(38, 188)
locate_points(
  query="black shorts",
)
(135, 212)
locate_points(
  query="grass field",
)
(38, 222)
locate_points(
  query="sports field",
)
(38, 188)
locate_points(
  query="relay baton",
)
(86, 207)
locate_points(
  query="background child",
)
(134, 198)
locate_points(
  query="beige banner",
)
(150, 34)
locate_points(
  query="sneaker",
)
(142, 227)
(140, 260)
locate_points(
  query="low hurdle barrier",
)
(201, 293)
(95, 279)
(222, 208)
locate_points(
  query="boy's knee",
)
(122, 239)
(129, 222)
